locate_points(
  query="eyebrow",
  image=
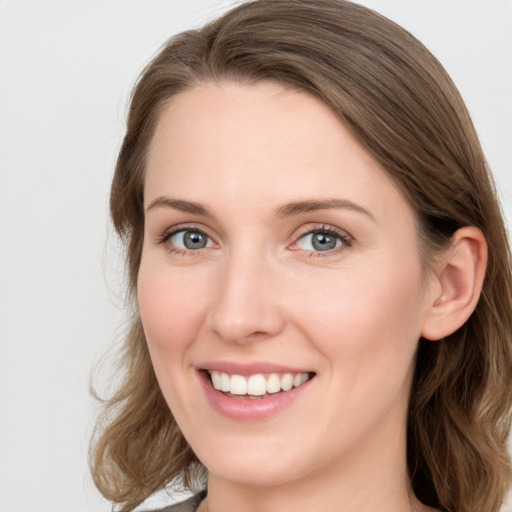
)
(180, 205)
(310, 205)
(287, 210)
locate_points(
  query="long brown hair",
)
(402, 106)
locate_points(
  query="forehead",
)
(226, 140)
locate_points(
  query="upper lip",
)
(246, 369)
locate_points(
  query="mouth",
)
(256, 386)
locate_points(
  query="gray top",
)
(190, 505)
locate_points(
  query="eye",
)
(323, 239)
(188, 240)
(318, 242)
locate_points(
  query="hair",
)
(401, 105)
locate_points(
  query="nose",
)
(246, 305)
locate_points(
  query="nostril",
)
(257, 334)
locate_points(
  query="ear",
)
(457, 283)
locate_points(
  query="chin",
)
(254, 474)
(255, 463)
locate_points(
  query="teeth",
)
(273, 383)
(256, 385)
(238, 385)
(225, 382)
(287, 382)
(216, 380)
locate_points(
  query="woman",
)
(320, 271)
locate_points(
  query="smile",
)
(257, 385)
(253, 392)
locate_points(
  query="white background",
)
(66, 69)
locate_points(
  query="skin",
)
(259, 291)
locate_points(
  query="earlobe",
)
(460, 275)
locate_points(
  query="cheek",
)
(171, 308)
(367, 328)
(366, 316)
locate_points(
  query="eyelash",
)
(346, 240)
(167, 235)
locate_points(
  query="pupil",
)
(323, 242)
(194, 240)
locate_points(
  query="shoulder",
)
(189, 505)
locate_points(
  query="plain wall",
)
(66, 70)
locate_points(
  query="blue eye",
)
(190, 240)
(321, 241)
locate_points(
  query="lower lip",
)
(250, 409)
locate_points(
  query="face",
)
(280, 286)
